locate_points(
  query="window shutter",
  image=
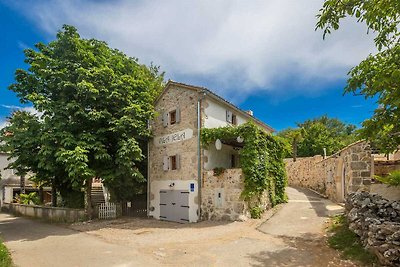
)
(178, 115)
(178, 161)
(229, 116)
(166, 163)
(165, 119)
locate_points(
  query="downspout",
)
(199, 150)
(198, 156)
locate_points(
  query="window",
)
(233, 161)
(173, 162)
(231, 118)
(172, 117)
(234, 119)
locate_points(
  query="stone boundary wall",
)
(377, 222)
(384, 167)
(221, 196)
(348, 170)
(52, 214)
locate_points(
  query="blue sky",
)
(260, 55)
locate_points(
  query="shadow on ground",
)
(307, 250)
(132, 223)
(23, 229)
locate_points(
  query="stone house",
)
(12, 185)
(181, 182)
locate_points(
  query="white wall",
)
(3, 164)
(156, 186)
(215, 115)
(8, 194)
(219, 158)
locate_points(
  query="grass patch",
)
(344, 240)
(5, 259)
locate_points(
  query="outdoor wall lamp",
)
(218, 144)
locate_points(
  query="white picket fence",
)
(107, 211)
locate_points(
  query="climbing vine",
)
(261, 160)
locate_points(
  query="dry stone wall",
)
(348, 170)
(377, 221)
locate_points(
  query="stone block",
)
(366, 174)
(358, 165)
(356, 181)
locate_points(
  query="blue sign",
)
(192, 187)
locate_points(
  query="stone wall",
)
(377, 222)
(384, 167)
(221, 196)
(303, 173)
(346, 171)
(52, 214)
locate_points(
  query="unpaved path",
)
(292, 237)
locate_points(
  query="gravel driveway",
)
(292, 237)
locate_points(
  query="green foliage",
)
(218, 171)
(377, 76)
(392, 179)
(261, 160)
(312, 136)
(256, 212)
(344, 240)
(5, 258)
(71, 198)
(95, 103)
(29, 199)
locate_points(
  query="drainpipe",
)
(199, 149)
(148, 173)
(198, 155)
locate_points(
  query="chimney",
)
(250, 112)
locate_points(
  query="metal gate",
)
(137, 207)
(174, 205)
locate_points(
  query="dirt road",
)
(292, 237)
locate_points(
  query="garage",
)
(174, 205)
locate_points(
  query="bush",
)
(29, 199)
(256, 212)
(392, 179)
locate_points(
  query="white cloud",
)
(231, 44)
(31, 110)
(3, 123)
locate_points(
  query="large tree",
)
(378, 75)
(95, 103)
(313, 135)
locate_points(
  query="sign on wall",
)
(173, 138)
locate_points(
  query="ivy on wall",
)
(261, 160)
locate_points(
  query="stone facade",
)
(377, 222)
(221, 196)
(184, 100)
(177, 143)
(348, 170)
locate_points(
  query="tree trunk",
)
(294, 148)
(41, 194)
(53, 194)
(88, 204)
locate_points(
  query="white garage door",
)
(174, 205)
